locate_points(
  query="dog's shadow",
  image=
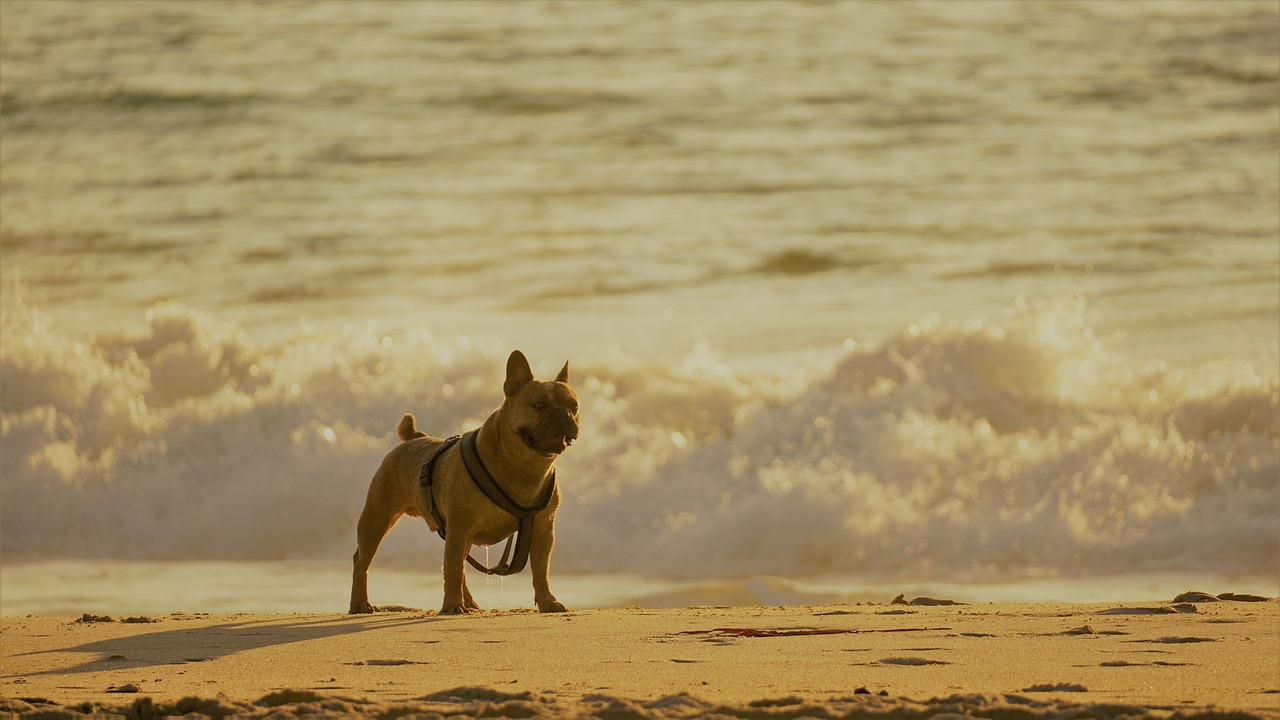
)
(185, 644)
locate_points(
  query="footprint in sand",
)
(1056, 687)
(464, 694)
(1161, 610)
(91, 618)
(902, 600)
(1195, 596)
(912, 661)
(1087, 630)
(1126, 663)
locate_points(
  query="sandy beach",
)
(883, 660)
(970, 299)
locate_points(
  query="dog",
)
(518, 444)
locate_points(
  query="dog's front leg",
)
(456, 547)
(544, 538)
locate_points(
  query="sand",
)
(884, 660)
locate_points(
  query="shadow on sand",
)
(180, 645)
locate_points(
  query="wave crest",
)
(959, 451)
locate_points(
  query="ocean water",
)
(856, 295)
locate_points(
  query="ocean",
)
(860, 298)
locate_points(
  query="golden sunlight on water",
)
(941, 292)
(764, 175)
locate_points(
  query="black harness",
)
(492, 490)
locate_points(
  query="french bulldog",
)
(518, 443)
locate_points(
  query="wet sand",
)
(886, 660)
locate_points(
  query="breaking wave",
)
(1001, 449)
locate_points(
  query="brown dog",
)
(518, 444)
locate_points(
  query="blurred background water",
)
(952, 291)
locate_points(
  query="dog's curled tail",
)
(407, 429)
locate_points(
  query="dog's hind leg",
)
(468, 601)
(375, 521)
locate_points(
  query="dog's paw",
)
(457, 610)
(553, 606)
(363, 608)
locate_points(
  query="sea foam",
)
(1018, 446)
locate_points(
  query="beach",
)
(969, 299)
(891, 660)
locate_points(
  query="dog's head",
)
(543, 414)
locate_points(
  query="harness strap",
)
(480, 475)
(424, 479)
(490, 487)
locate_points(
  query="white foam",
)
(980, 451)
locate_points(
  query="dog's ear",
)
(563, 377)
(519, 373)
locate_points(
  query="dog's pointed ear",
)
(563, 377)
(519, 373)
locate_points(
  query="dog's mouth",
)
(551, 445)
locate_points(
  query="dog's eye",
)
(539, 405)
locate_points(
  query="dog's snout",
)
(561, 420)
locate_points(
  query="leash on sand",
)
(480, 475)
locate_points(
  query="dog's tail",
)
(407, 429)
